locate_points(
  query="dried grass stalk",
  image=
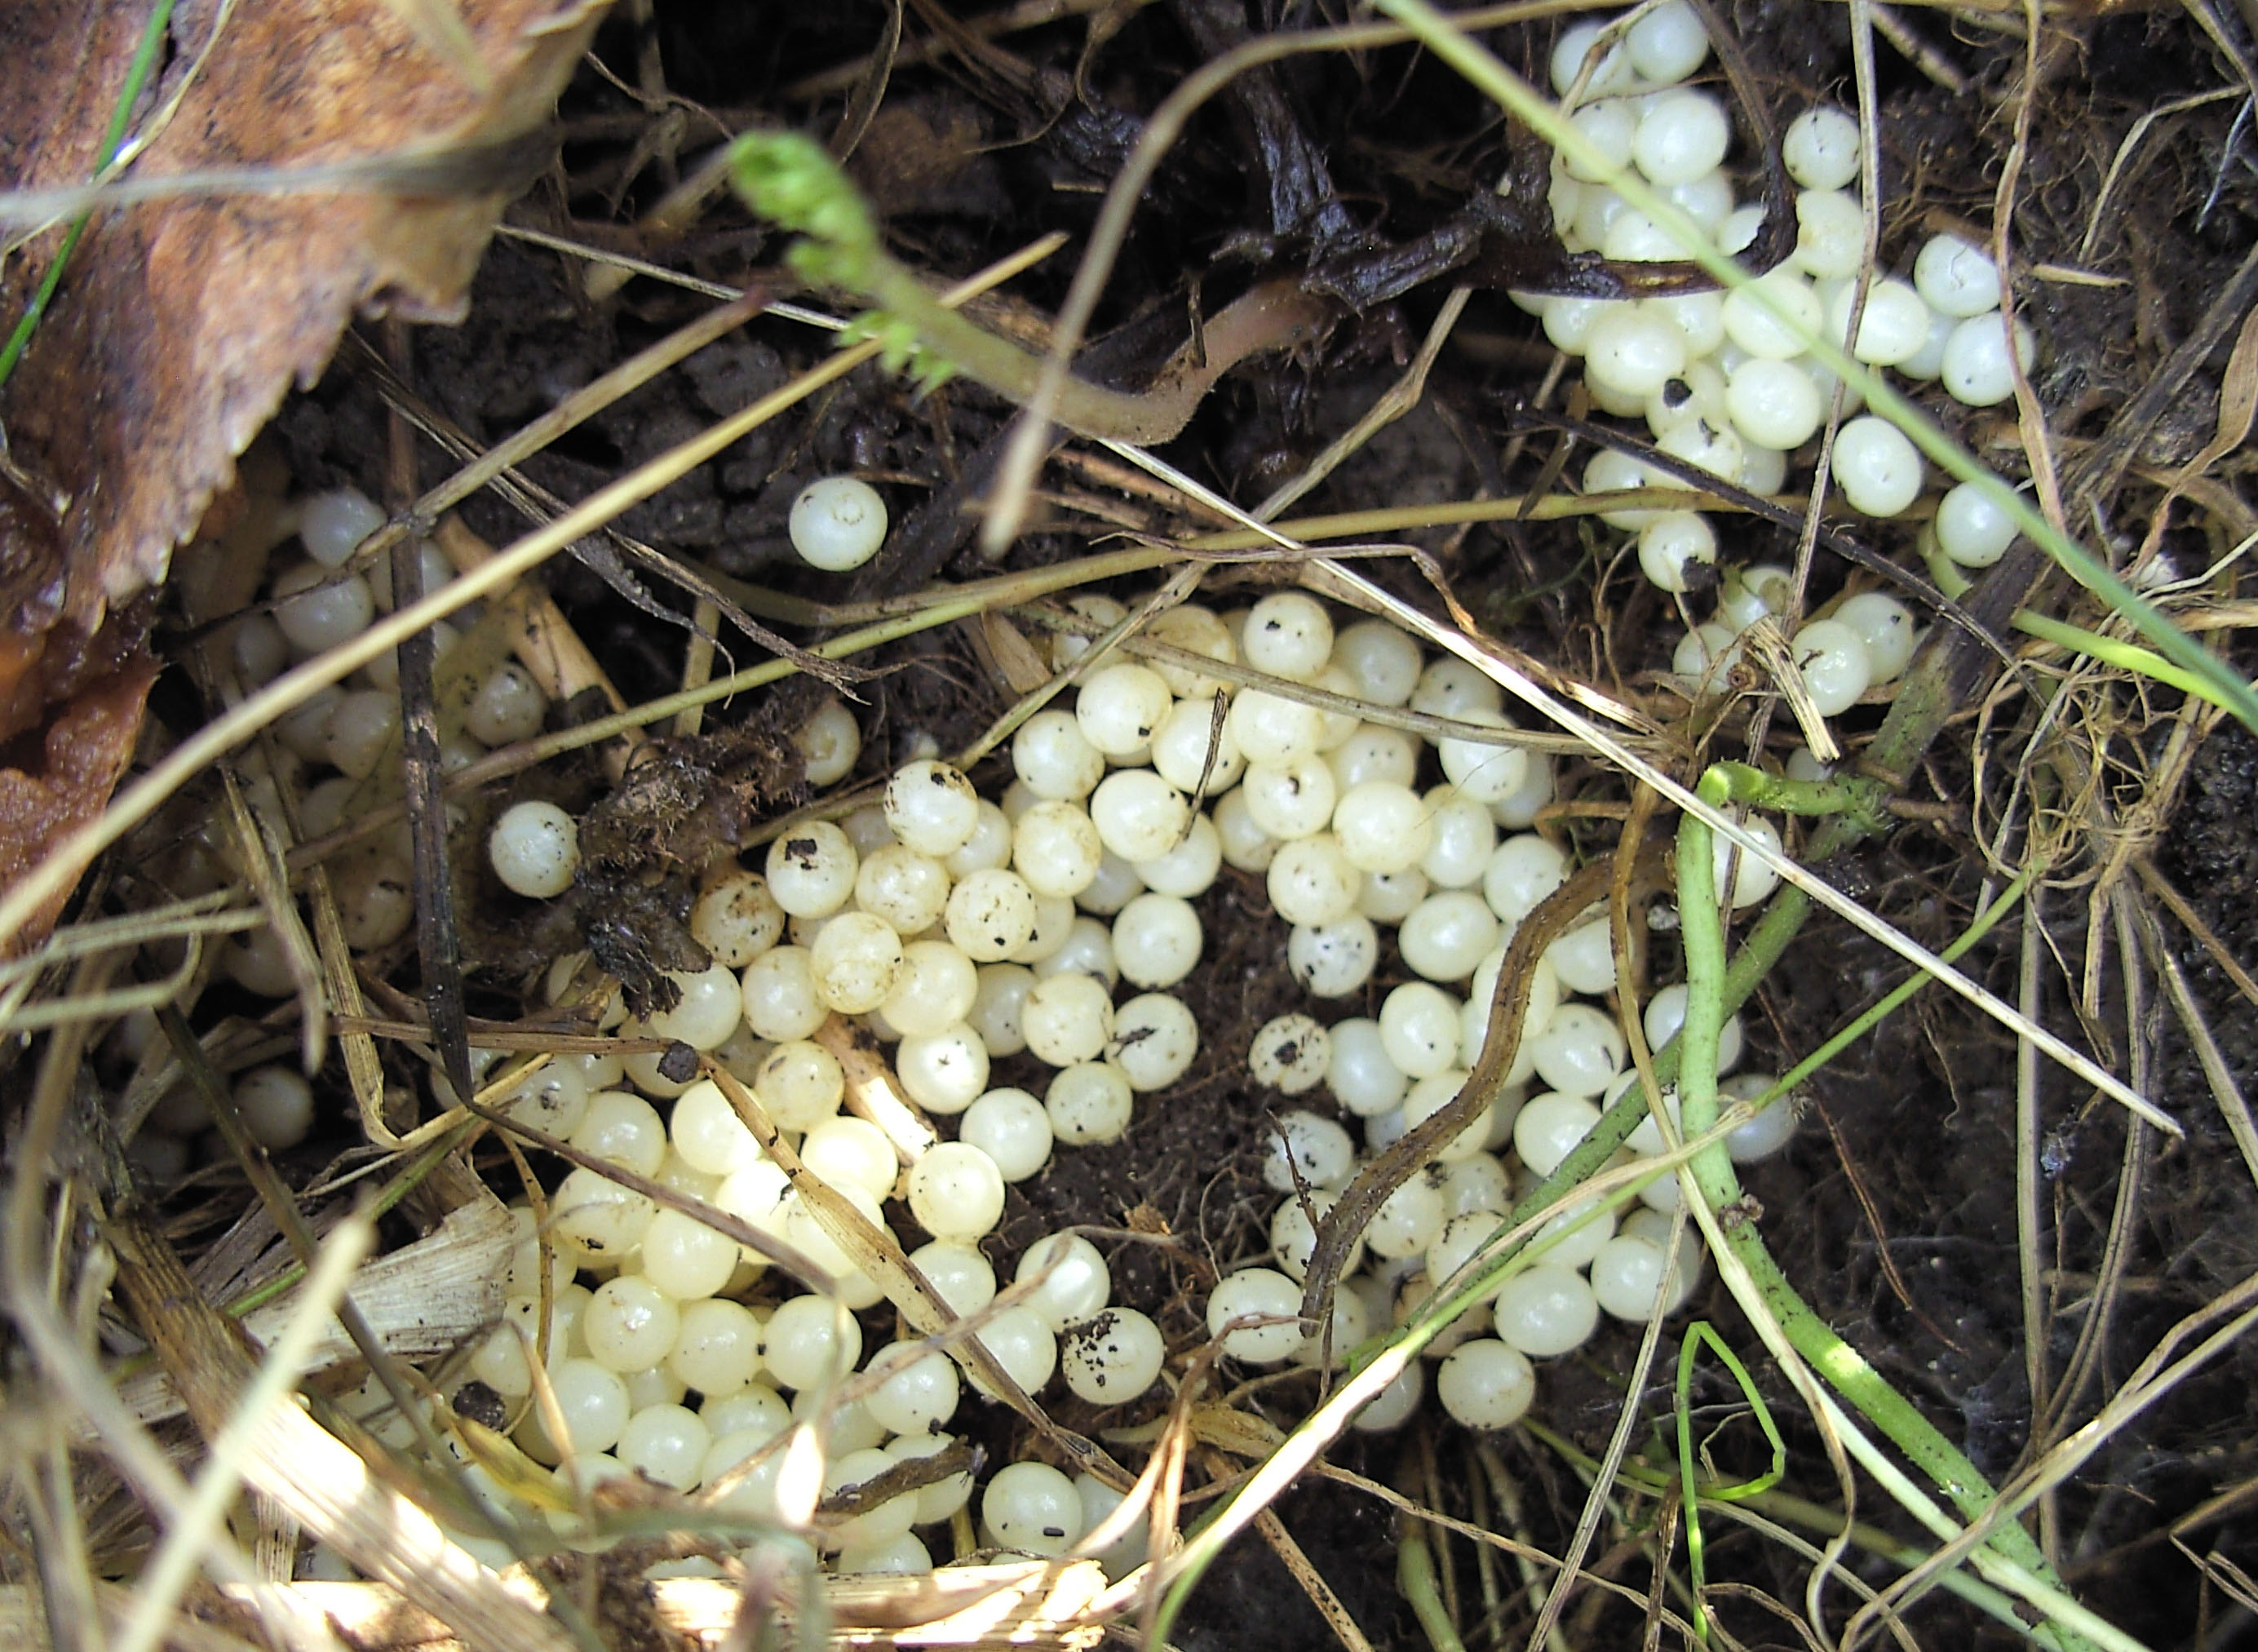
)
(312, 1474)
(423, 1299)
(1028, 1603)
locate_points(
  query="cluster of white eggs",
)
(959, 930)
(1722, 385)
(326, 755)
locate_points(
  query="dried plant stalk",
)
(422, 1300)
(315, 1475)
(1023, 1604)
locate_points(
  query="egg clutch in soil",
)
(1401, 843)
(1056, 919)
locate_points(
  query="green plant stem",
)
(1415, 1576)
(136, 76)
(1893, 1000)
(1789, 1510)
(1002, 366)
(2125, 656)
(1702, 934)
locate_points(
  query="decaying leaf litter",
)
(1348, 173)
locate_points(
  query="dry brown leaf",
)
(85, 749)
(182, 322)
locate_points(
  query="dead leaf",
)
(181, 324)
(87, 747)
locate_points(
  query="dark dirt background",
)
(1906, 1154)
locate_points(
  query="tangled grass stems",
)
(1708, 1177)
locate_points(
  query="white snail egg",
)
(811, 869)
(943, 1071)
(1011, 1128)
(1769, 1130)
(1485, 1384)
(955, 1192)
(1408, 1220)
(990, 915)
(856, 961)
(1549, 1127)
(1384, 659)
(1359, 1072)
(1121, 707)
(1256, 1292)
(1390, 898)
(1752, 878)
(1975, 366)
(809, 1341)
(1088, 950)
(1090, 1104)
(277, 1106)
(1291, 799)
(1465, 837)
(1675, 541)
(1192, 753)
(1067, 1019)
(1157, 941)
(781, 1002)
(1268, 728)
(1892, 329)
(735, 919)
(1419, 1029)
(1155, 1036)
(1056, 760)
(1545, 1311)
(1878, 466)
(1056, 848)
(1773, 331)
(1287, 635)
(1580, 1050)
(1885, 625)
(917, 1392)
(829, 742)
(1972, 527)
(1189, 868)
(1032, 1508)
(1633, 352)
(848, 1152)
(1835, 665)
(1521, 872)
(1682, 136)
(535, 849)
(1450, 932)
(931, 808)
(1026, 1347)
(1112, 1356)
(630, 1324)
(1610, 126)
(837, 523)
(1311, 881)
(1955, 278)
(1139, 816)
(1430, 1095)
(318, 609)
(1820, 148)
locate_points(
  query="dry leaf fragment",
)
(182, 322)
(85, 749)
